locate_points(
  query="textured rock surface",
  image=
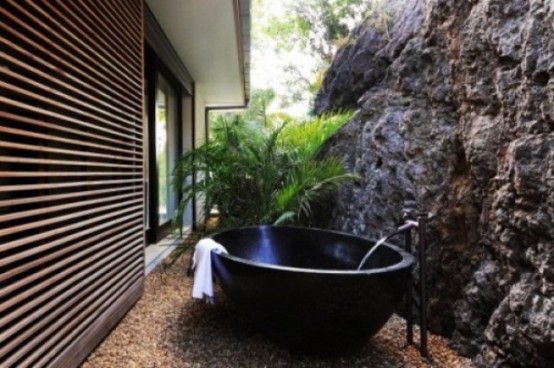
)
(456, 117)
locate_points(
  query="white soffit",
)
(204, 35)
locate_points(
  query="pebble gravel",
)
(167, 328)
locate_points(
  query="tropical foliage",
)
(261, 169)
(301, 38)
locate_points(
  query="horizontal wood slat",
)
(51, 285)
(28, 174)
(55, 197)
(126, 31)
(82, 21)
(71, 175)
(89, 91)
(26, 160)
(91, 48)
(67, 118)
(87, 296)
(102, 27)
(104, 277)
(75, 142)
(52, 39)
(10, 260)
(68, 99)
(59, 262)
(42, 125)
(74, 352)
(95, 306)
(68, 109)
(47, 320)
(54, 220)
(13, 188)
(101, 45)
(131, 24)
(78, 204)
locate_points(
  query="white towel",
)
(202, 265)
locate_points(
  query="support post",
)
(422, 285)
(409, 302)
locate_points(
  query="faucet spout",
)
(408, 225)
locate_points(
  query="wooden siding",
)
(71, 176)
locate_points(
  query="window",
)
(166, 147)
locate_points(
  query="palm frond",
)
(285, 218)
(260, 171)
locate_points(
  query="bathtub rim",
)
(406, 262)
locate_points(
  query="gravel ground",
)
(167, 328)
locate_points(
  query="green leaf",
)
(261, 170)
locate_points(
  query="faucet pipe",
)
(420, 224)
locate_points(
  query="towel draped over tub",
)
(202, 265)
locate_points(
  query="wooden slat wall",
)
(71, 176)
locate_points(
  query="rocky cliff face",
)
(456, 117)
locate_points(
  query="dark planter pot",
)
(301, 287)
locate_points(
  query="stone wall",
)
(456, 117)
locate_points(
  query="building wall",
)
(200, 118)
(71, 176)
(199, 139)
(188, 141)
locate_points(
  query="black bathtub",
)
(301, 287)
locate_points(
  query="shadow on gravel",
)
(220, 336)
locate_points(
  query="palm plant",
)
(259, 174)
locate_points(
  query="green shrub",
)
(261, 172)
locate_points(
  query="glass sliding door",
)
(166, 147)
(164, 111)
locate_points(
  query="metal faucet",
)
(420, 224)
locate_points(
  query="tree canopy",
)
(303, 37)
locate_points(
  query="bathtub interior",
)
(304, 248)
